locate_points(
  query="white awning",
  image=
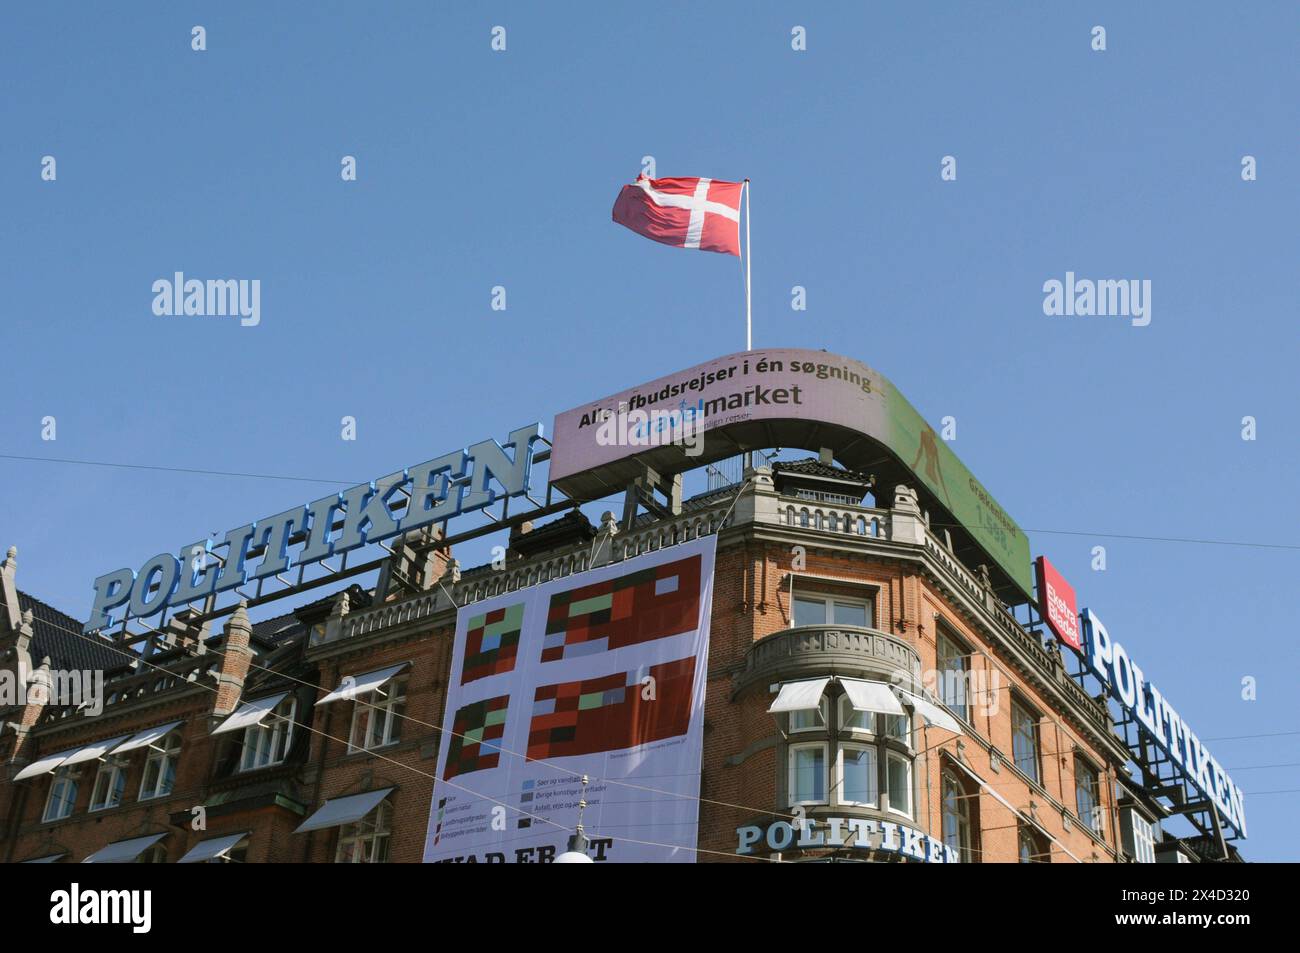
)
(48, 859)
(871, 696)
(354, 685)
(93, 751)
(800, 696)
(211, 849)
(343, 810)
(123, 851)
(146, 737)
(44, 765)
(249, 713)
(932, 713)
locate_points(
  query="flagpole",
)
(749, 320)
(747, 461)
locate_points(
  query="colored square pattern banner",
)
(600, 674)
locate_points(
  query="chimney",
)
(234, 661)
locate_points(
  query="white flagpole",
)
(749, 320)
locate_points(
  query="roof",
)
(813, 467)
(58, 636)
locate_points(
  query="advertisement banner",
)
(1057, 603)
(798, 397)
(600, 674)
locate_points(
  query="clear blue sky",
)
(479, 168)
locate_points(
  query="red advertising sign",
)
(1056, 602)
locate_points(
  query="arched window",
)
(958, 827)
(1031, 847)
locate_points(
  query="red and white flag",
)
(686, 212)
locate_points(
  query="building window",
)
(853, 720)
(809, 719)
(267, 742)
(898, 728)
(953, 674)
(808, 774)
(366, 841)
(160, 768)
(110, 785)
(899, 779)
(1024, 740)
(859, 778)
(1087, 794)
(1031, 846)
(1143, 838)
(377, 717)
(157, 854)
(958, 829)
(813, 609)
(63, 795)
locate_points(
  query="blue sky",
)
(479, 169)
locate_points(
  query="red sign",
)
(1056, 602)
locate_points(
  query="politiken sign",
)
(436, 490)
(784, 397)
(1126, 683)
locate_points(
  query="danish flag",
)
(685, 212)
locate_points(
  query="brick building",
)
(313, 736)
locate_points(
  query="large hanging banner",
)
(601, 674)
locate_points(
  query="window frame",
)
(965, 814)
(961, 654)
(791, 787)
(376, 704)
(840, 787)
(1083, 768)
(822, 709)
(828, 600)
(1022, 708)
(269, 728)
(114, 770)
(888, 794)
(166, 753)
(1040, 853)
(62, 779)
(378, 836)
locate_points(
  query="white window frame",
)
(112, 771)
(905, 739)
(62, 779)
(1034, 720)
(840, 779)
(828, 601)
(164, 752)
(1144, 838)
(373, 831)
(379, 705)
(267, 742)
(791, 756)
(887, 794)
(846, 715)
(822, 709)
(961, 705)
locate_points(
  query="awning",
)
(249, 713)
(44, 765)
(123, 851)
(343, 810)
(800, 696)
(932, 713)
(146, 737)
(93, 751)
(211, 849)
(354, 685)
(48, 859)
(871, 696)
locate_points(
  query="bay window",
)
(808, 774)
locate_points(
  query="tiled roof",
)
(58, 636)
(813, 467)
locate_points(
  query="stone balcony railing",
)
(812, 651)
